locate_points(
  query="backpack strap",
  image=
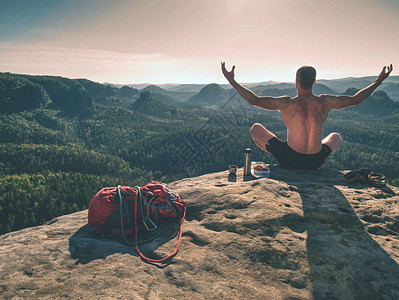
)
(136, 241)
(137, 198)
(170, 255)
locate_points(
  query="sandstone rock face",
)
(295, 235)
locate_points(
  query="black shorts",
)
(290, 159)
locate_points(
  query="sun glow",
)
(185, 41)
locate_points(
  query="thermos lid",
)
(248, 150)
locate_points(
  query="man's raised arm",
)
(338, 102)
(271, 103)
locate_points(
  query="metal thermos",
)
(247, 164)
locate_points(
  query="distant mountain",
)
(390, 85)
(333, 86)
(278, 85)
(72, 96)
(68, 95)
(141, 86)
(186, 88)
(148, 105)
(166, 96)
(182, 92)
(262, 90)
(351, 91)
(26, 92)
(98, 90)
(392, 79)
(319, 88)
(378, 103)
(269, 82)
(343, 84)
(57, 86)
(159, 93)
(392, 89)
(18, 94)
(212, 94)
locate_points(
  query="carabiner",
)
(155, 227)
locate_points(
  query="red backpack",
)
(125, 210)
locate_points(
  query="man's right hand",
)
(384, 73)
(229, 75)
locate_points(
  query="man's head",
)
(306, 77)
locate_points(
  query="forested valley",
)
(62, 140)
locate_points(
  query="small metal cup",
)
(233, 169)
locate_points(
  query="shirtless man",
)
(304, 116)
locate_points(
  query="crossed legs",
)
(262, 136)
(333, 140)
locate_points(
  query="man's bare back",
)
(304, 115)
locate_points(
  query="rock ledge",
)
(296, 235)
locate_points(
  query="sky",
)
(184, 41)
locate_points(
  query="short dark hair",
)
(306, 76)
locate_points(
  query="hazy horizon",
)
(183, 42)
(390, 78)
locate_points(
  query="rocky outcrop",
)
(212, 94)
(296, 235)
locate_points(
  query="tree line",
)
(53, 158)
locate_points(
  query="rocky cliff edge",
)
(295, 235)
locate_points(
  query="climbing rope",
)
(137, 198)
